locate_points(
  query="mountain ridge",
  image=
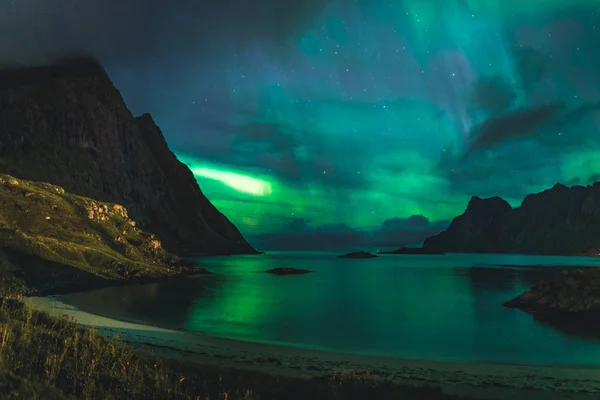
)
(557, 221)
(68, 125)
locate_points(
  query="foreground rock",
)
(571, 293)
(557, 221)
(288, 271)
(67, 124)
(53, 241)
(412, 250)
(358, 254)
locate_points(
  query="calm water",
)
(439, 307)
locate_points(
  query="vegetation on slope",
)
(44, 357)
(51, 240)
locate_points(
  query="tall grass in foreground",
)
(54, 358)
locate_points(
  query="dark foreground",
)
(44, 357)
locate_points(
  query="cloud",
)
(125, 31)
(518, 124)
(493, 94)
(393, 233)
(289, 154)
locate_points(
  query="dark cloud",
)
(127, 31)
(512, 169)
(518, 124)
(531, 66)
(542, 123)
(393, 233)
(493, 94)
(289, 154)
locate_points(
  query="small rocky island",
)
(412, 250)
(288, 271)
(358, 254)
(573, 294)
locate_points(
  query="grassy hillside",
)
(51, 241)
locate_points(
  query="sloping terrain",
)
(51, 240)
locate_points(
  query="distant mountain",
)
(557, 221)
(410, 251)
(66, 124)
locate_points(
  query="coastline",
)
(480, 380)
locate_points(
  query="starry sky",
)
(329, 124)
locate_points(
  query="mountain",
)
(66, 124)
(557, 221)
(53, 241)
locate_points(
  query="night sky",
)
(347, 122)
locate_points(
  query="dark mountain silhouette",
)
(66, 124)
(557, 221)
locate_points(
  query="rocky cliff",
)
(68, 125)
(557, 221)
(52, 241)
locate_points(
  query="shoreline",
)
(478, 379)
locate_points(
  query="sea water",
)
(435, 307)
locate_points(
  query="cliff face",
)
(557, 221)
(68, 125)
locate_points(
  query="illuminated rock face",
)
(68, 125)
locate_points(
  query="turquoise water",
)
(438, 307)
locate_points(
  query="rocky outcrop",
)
(358, 254)
(557, 221)
(287, 271)
(53, 241)
(571, 293)
(68, 125)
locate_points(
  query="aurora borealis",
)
(348, 117)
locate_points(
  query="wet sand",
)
(481, 380)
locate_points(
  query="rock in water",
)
(358, 254)
(557, 221)
(287, 271)
(68, 125)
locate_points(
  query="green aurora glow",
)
(371, 110)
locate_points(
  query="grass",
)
(51, 239)
(50, 358)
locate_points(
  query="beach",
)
(480, 380)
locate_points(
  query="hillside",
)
(52, 241)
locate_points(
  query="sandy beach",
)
(481, 380)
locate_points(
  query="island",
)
(288, 271)
(411, 250)
(358, 254)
